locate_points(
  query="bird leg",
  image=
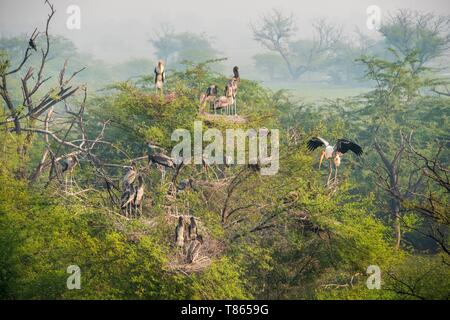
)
(331, 171)
(163, 174)
(322, 155)
(335, 172)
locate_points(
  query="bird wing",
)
(316, 142)
(139, 195)
(164, 160)
(343, 145)
(124, 199)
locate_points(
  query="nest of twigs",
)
(209, 250)
(215, 118)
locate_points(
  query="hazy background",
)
(116, 31)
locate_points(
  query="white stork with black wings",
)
(333, 152)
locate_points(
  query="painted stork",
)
(67, 166)
(194, 249)
(126, 200)
(139, 196)
(192, 229)
(179, 233)
(333, 152)
(230, 93)
(69, 163)
(160, 75)
(236, 72)
(130, 176)
(161, 160)
(211, 91)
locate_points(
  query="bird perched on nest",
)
(211, 91)
(126, 200)
(179, 233)
(192, 229)
(334, 153)
(210, 95)
(194, 249)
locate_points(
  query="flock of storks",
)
(226, 103)
(133, 186)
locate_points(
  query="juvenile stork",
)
(333, 152)
(179, 233)
(230, 93)
(130, 176)
(192, 229)
(67, 167)
(139, 196)
(126, 200)
(194, 249)
(161, 160)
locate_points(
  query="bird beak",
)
(321, 158)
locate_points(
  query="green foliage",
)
(286, 236)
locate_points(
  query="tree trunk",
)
(395, 208)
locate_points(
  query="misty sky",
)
(118, 30)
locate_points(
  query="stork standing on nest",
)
(333, 152)
(179, 233)
(192, 229)
(232, 88)
(209, 96)
(194, 249)
(229, 93)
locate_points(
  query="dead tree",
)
(28, 111)
(276, 30)
(432, 202)
(389, 180)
